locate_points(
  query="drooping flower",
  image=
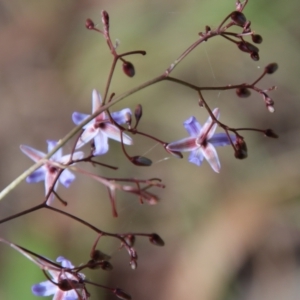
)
(100, 128)
(72, 285)
(202, 141)
(48, 172)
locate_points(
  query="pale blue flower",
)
(202, 141)
(100, 128)
(48, 172)
(48, 288)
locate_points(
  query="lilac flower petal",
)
(65, 263)
(66, 178)
(45, 288)
(120, 116)
(36, 176)
(35, 155)
(211, 155)
(79, 117)
(49, 180)
(101, 143)
(186, 144)
(207, 126)
(66, 158)
(192, 126)
(196, 157)
(57, 154)
(221, 139)
(70, 295)
(97, 100)
(113, 132)
(60, 295)
(88, 134)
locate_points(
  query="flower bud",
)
(254, 56)
(133, 264)
(257, 39)
(155, 239)
(128, 69)
(105, 19)
(243, 92)
(270, 133)
(238, 18)
(130, 240)
(105, 265)
(271, 68)
(138, 112)
(141, 161)
(269, 103)
(241, 150)
(247, 47)
(121, 295)
(98, 255)
(89, 24)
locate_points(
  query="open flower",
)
(101, 128)
(202, 141)
(68, 286)
(48, 171)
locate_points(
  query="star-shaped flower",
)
(100, 128)
(72, 285)
(48, 172)
(202, 141)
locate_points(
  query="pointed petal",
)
(120, 116)
(66, 178)
(66, 158)
(36, 176)
(34, 154)
(113, 132)
(56, 156)
(79, 117)
(101, 143)
(221, 139)
(88, 134)
(192, 126)
(49, 180)
(186, 144)
(45, 288)
(207, 125)
(60, 295)
(196, 157)
(211, 155)
(65, 263)
(97, 100)
(70, 295)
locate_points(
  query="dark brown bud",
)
(138, 112)
(271, 68)
(155, 239)
(243, 92)
(89, 24)
(254, 56)
(238, 18)
(105, 265)
(247, 47)
(270, 133)
(68, 284)
(241, 150)
(128, 69)
(141, 161)
(98, 255)
(257, 39)
(121, 295)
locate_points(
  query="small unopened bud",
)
(105, 265)
(241, 150)
(238, 18)
(130, 240)
(254, 56)
(141, 161)
(138, 112)
(269, 103)
(207, 29)
(89, 24)
(247, 47)
(121, 295)
(270, 133)
(98, 255)
(257, 39)
(155, 239)
(243, 92)
(133, 264)
(105, 19)
(128, 69)
(271, 68)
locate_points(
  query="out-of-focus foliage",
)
(233, 235)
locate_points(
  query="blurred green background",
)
(233, 235)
